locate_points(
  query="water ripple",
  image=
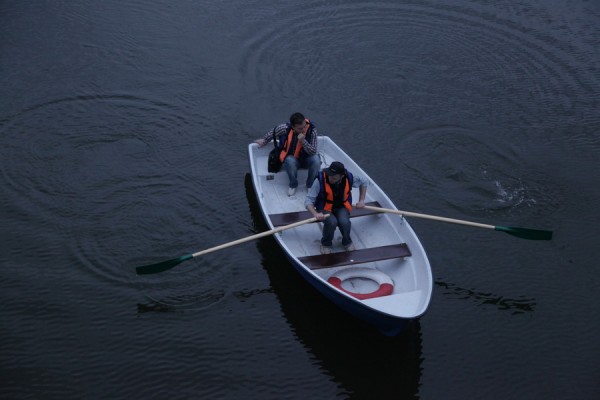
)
(403, 54)
(472, 175)
(519, 305)
(121, 159)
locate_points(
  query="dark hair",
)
(296, 119)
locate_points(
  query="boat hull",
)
(410, 272)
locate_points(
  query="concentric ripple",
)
(423, 61)
(471, 175)
(119, 159)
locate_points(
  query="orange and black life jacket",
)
(291, 143)
(327, 198)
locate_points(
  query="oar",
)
(524, 233)
(166, 265)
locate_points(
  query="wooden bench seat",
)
(291, 217)
(356, 257)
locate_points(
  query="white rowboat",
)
(388, 258)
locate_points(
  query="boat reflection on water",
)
(364, 362)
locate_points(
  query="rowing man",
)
(333, 195)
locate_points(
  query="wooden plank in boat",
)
(296, 216)
(360, 256)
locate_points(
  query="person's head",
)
(335, 171)
(298, 122)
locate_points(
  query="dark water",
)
(124, 128)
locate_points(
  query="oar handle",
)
(257, 236)
(433, 217)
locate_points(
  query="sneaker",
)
(349, 247)
(325, 249)
(291, 191)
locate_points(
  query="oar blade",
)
(524, 233)
(161, 266)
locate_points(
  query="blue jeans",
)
(291, 165)
(339, 217)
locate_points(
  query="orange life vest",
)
(347, 201)
(289, 140)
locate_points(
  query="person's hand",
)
(320, 216)
(260, 142)
(301, 137)
(360, 204)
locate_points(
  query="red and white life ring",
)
(386, 285)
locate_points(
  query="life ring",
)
(386, 285)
